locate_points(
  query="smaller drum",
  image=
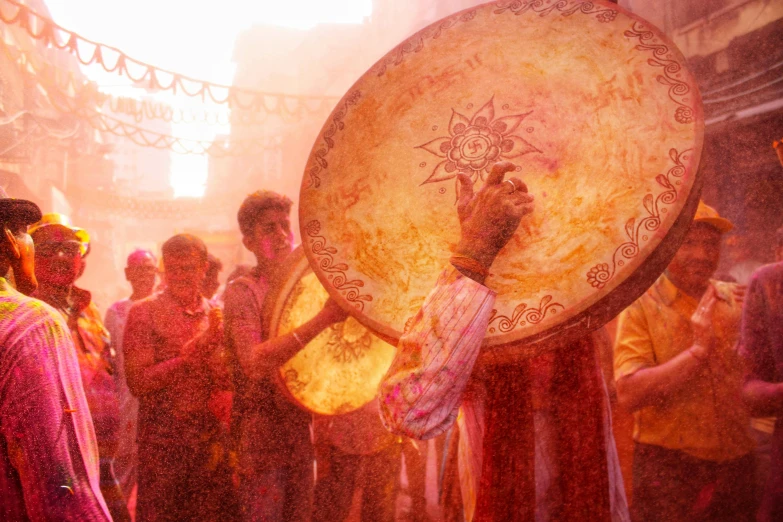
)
(337, 372)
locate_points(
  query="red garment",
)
(578, 397)
(535, 436)
(507, 488)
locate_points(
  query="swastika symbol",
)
(475, 146)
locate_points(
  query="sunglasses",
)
(54, 248)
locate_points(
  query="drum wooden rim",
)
(294, 267)
(349, 287)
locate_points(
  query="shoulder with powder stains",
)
(20, 313)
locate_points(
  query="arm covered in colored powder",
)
(422, 391)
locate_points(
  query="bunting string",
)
(147, 138)
(37, 130)
(79, 93)
(111, 59)
(76, 105)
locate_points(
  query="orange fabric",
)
(706, 419)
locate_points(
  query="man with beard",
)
(141, 272)
(60, 249)
(677, 369)
(274, 449)
(48, 453)
(171, 340)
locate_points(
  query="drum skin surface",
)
(595, 107)
(340, 369)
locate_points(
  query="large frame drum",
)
(337, 372)
(594, 105)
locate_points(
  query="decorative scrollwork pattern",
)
(523, 315)
(293, 382)
(415, 43)
(564, 7)
(602, 273)
(319, 162)
(350, 290)
(672, 70)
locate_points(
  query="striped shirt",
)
(429, 387)
(48, 454)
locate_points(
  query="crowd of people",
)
(175, 413)
(168, 409)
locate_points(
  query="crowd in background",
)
(167, 409)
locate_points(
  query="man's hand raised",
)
(490, 217)
(701, 322)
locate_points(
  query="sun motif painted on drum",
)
(475, 144)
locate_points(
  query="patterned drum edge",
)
(348, 287)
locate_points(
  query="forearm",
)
(270, 355)
(650, 386)
(422, 391)
(420, 402)
(763, 398)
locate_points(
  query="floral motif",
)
(599, 275)
(607, 16)
(313, 228)
(683, 115)
(474, 144)
(344, 349)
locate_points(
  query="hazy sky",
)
(191, 37)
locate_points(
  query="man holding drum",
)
(274, 449)
(521, 423)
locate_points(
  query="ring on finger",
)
(513, 185)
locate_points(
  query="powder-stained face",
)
(142, 273)
(184, 275)
(698, 256)
(58, 256)
(272, 238)
(24, 265)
